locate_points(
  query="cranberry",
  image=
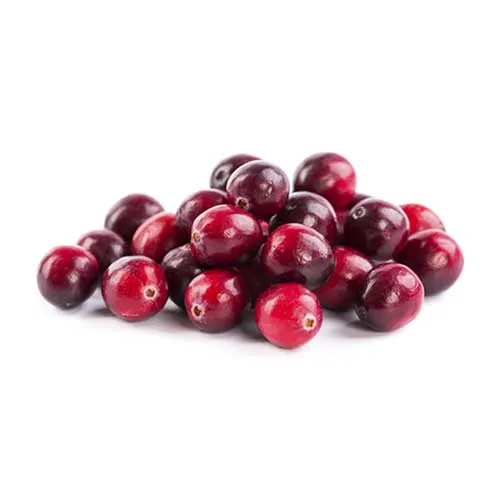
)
(377, 228)
(127, 214)
(311, 210)
(256, 280)
(264, 227)
(341, 217)
(67, 276)
(288, 315)
(134, 288)
(329, 175)
(226, 167)
(344, 284)
(105, 245)
(225, 236)
(215, 300)
(421, 218)
(391, 297)
(294, 252)
(259, 187)
(435, 257)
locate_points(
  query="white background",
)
(99, 99)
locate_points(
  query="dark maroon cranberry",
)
(345, 283)
(288, 315)
(264, 227)
(435, 257)
(180, 268)
(357, 198)
(341, 217)
(105, 245)
(225, 236)
(391, 297)
(377, 228)
(259, 187)
(294, 252)
(67, 276)
(215, 300)
(134, 288)
(421, 218)
(127, 214)
(329, 175)
(256, 280)
(226, 167)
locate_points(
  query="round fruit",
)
(105, 245)
(421, 218)
(226, 167)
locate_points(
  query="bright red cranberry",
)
(67, 276)
(298, 253)
(341, 217)
(105, 245)
(180, 268)
(377, 228)
(309, 209)
(134, 288)
(215, 300)
(435, 257)
(344, 284)
(225, 236)
(421, 218)
(157, 236)
(357, 198)
(329, 175)
(288, 315)
(392, 296)
(226, 167)
(127, 214)
(264, 227)
(259, 187)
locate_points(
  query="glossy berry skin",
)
(180, 268)
(297, 253)
(435, 257)
(127, 214)
(377, 228)
(329, 175)
(288, 315)
(225, 236)
(259, 187)
(346, 281)
(421, 218)
(264, 227)
(134, 288)
(105, 246)
(391, 298)
(223, 170)
(341, 217)
(67, 276)
(215, 300)
(311, 210)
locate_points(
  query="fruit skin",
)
(391, 297)
(256, 280)
(297, 253)
(259, 187)
(421, 218)
(105, 245)
(224, 169)
(376, 228)
(134, 288)
(215, 300)
(67, 276)
(345, 283)
(435, 257)
(329, 175)
(225, 236)
(264, 227)
(288, 315)
(127, 214)
(357, 198)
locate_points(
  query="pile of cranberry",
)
(248, 242)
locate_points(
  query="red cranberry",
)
(435, 257)
(105, 245)
(421, 218)
(256, 280)
(67, 276)
(288, 315)
(134, 288)
(344, 284)
(215, 300)
(329, 175)
(341, 217)
(294, 252)
(226, 167)
(357, 198)
(259, 187)
(264, 227)
(127, 214)
(225, 236)
(391, 297)
(377, 228)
